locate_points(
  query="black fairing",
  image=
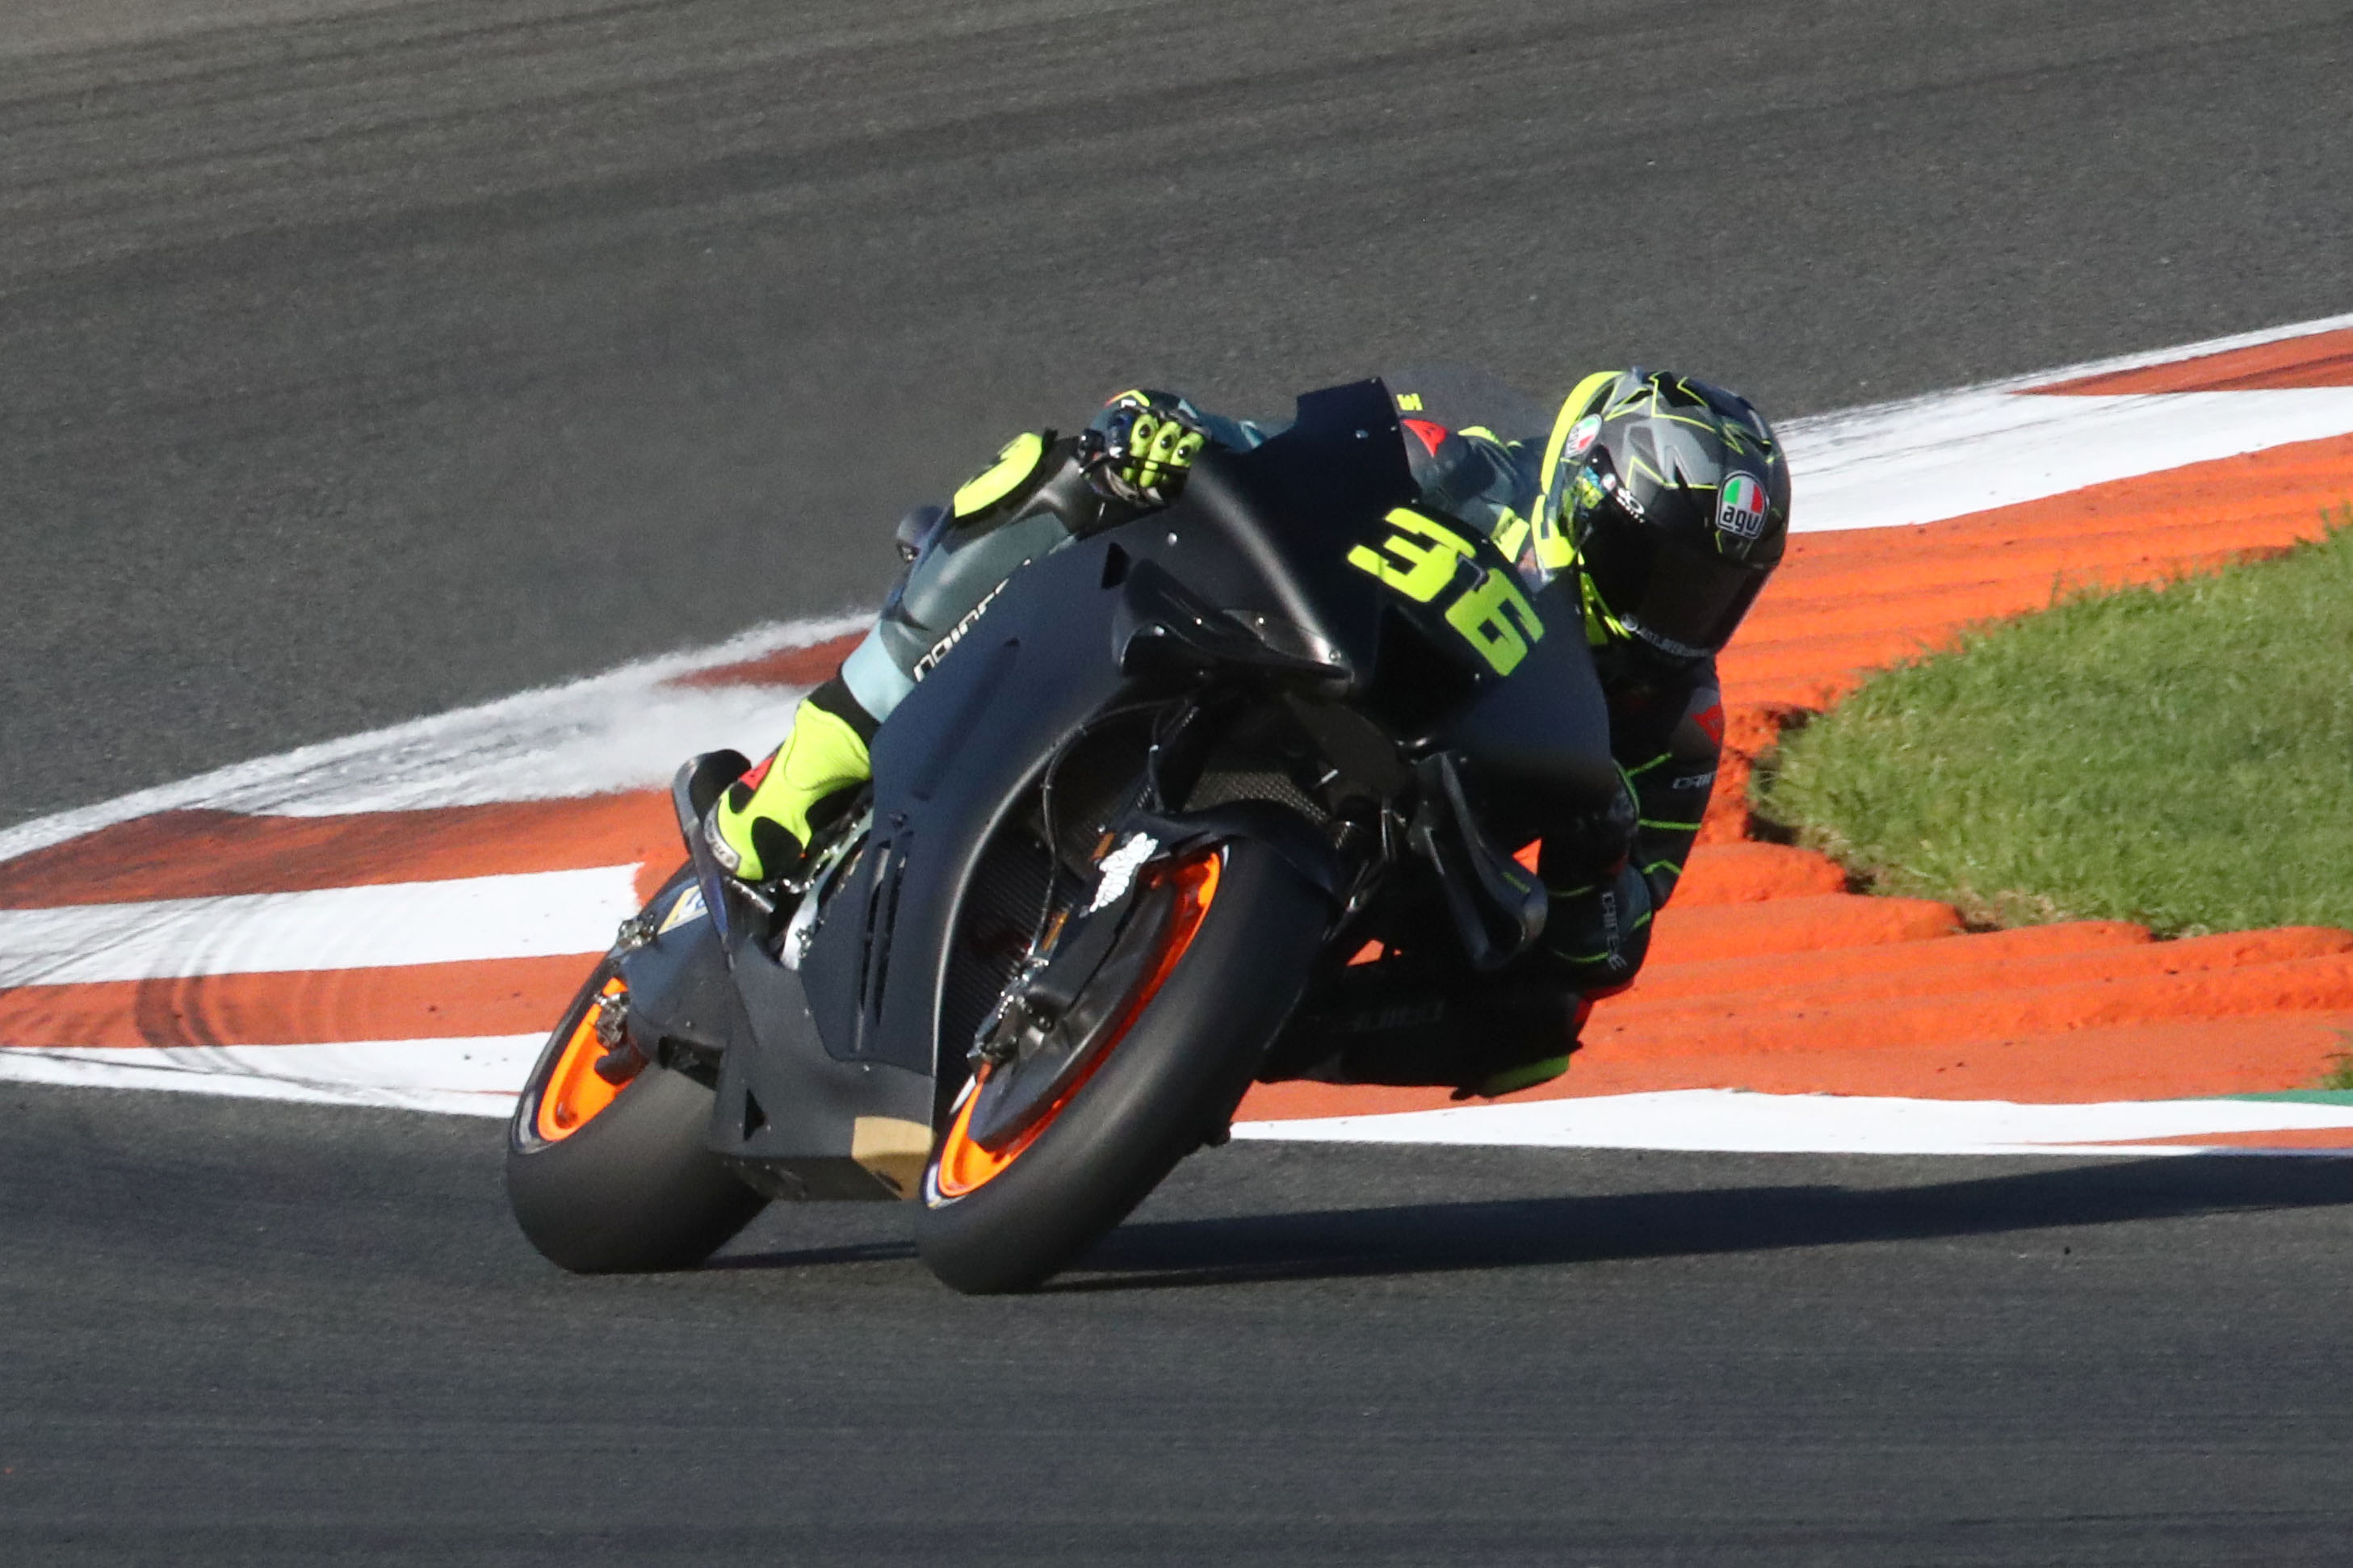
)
(1262, 536)
(1246, 580)
(683, 1008)
(801, 1123)
(744, 1028)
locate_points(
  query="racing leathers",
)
(1608, 870)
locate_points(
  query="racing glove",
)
(1140, 448)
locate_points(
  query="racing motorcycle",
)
(1225, 793)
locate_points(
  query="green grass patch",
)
(2321, 1096)
(2180, 756)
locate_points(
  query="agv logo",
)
(1740, 511)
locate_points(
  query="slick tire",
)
(634, 1189)
(1173, 1079)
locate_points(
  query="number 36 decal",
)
(1420, 560)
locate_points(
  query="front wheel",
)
(1231, 963)
(610, 1178)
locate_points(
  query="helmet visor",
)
(1681, 601)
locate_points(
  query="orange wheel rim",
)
(574, 1091)
(963, 1165)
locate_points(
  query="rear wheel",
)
(609, 1178)
(1197, 1018)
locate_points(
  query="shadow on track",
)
(1520, 1232)
(817, 1257)
(1436, 1237)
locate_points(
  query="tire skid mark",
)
(386, 925)
(415, 1002)
(194, 854)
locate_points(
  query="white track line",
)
(479, 1076)
(594, 743)
(1976, 451)
(1736, 1122)
(2147, 357)
(618, 726)
(1919, 460)
(531, 915)
(472, 1076)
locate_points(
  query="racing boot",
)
(1492, 1036)
(761, 827)
(1595, 938)
(1526, 1034)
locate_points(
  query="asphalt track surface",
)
(360, 360)
(251, 1333)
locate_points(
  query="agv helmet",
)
(1673, 497)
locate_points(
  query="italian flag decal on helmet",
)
(1740, 510)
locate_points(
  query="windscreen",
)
(1459, 398)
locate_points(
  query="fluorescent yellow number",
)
(1480, 616)
(1420, 559)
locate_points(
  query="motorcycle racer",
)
(1667, 496)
